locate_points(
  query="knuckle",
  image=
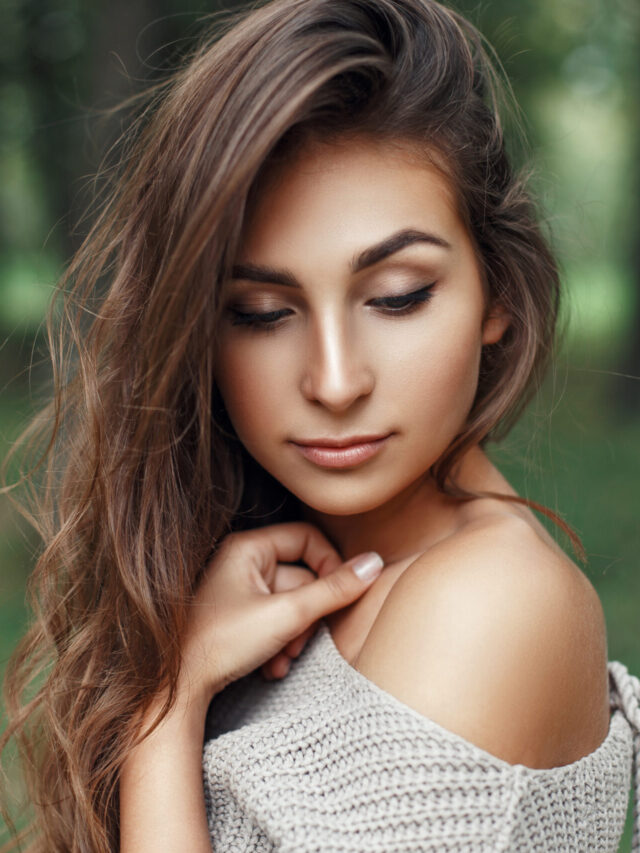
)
(306, 527)
(231, 539)
(226, 543)
(234, 542)
(338, 584)
(294, 612)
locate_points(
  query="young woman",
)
(272, 531)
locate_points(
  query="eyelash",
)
(269, 320)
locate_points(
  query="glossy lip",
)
(341, 456)
(340, 442)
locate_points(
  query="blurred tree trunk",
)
(626, 387)
(115, 68)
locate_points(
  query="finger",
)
(294, 648)
(289, 543)
(278, 666)
(290, 577)
(332, 592)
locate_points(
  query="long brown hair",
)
(140, 471)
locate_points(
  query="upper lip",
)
(340, 442)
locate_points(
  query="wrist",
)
(189, 710)
(198, 682)
(184, 719)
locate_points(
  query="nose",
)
(337, 371)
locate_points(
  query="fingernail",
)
(368, 566)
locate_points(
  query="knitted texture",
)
(325, 760)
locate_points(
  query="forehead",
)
(360, 188)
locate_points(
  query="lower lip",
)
(341, 457)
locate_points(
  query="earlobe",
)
(495, 325)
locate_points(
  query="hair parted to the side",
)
(142, 472)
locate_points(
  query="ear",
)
(495, 324)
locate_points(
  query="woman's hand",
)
(250, 608)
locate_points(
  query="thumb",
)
(334, 590)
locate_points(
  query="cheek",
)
(438, 373)
(253, 383)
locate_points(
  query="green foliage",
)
(573, 65)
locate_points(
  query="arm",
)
(238, 620)
(162, 804)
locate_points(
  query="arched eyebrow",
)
(367, 258)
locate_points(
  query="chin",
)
(347, 504)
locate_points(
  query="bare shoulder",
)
(501, 639)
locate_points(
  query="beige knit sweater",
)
(325, 760)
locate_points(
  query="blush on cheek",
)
(253, 391)
(240, 399)
(443, 387)
(462, 380)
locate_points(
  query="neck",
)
(413, 520)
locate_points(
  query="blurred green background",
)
(574, 68)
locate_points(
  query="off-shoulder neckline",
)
(324, 643)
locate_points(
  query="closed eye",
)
(266, 320)
(404, 303)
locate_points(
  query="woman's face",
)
(356, 309)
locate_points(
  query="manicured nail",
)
(368, 566)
